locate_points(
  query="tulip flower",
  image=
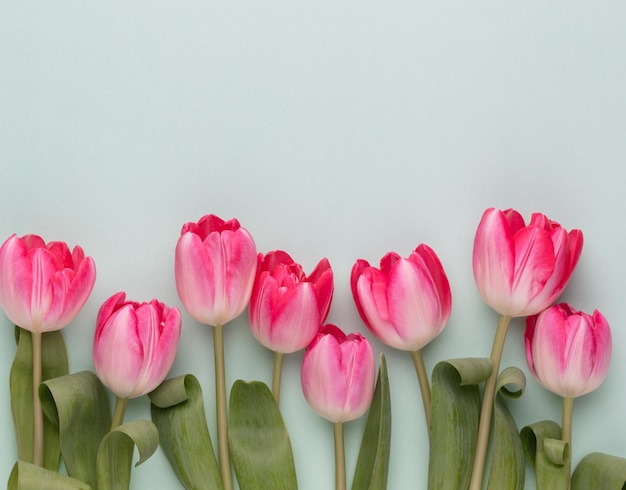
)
(405, 303)
(215, 267)
(288, 307)
(520, 269)
(338, 382)
(42, 288)
(568, 352)
(134, 347)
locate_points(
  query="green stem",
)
(220, 401)
(38, 448)
(566, 430)
(484, 424)
(340, 457)
(422, 377)
(276, 375)
(119, 411)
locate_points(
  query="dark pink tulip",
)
(522, 269)
(568, 351)
(43, 286)
(338, 374)
(215, 267)
(135, 344)
(405, 303)
(288, 307)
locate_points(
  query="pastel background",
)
(338, 129)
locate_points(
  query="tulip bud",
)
(338, 374)
(407, 302)
(43, 286)
(522, 269)
(215, 267)
(287, 307)
(135, 344)
(568, 351)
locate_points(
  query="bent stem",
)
(119, 411)
(484, 424)
(220, 402)
(422, 378)
(38, 450)
(276, 375)
(340, 457)
(566, 430)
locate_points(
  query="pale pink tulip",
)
(405, 303)
(522, 269)
(338, 374)
(215, 268)
(135, 344)
(288, 307)
(568, 351)
(43, 286)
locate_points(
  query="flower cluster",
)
(520, 269)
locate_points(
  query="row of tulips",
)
(520, 271)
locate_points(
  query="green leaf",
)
(27, 476)
(598, 470)
(454, 424)
(78, 405)
(507, 469)
(54, 363)
(115, 454)
(547, 454)
(372, 467)
(258, 439)
(178, 413)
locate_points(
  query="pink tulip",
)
(135, 344)
(522, 269)
(287, 307)
(405, 303)
(568, 351)
(43, 286)
(215, 267)
(338, 374)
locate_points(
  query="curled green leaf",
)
(507, 471)
(115, 453)
(598, 470)
(54, 363)
(454, 425)
(258, 439)
(372, 467)
(178, 412)
(27, 476)
(78, 405)
(547, 454)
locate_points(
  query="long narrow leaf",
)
(548, 455)
(598, 470)
(78, 405)
(115, 454)
(454, 424)
(507, 469)
(54, 363)
(27, 476)
(258, 439)
(178, 413)
(372, 467)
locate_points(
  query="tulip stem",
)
(340, 457)
(422, 377)
(276, 375)
(220, 401)
(566, 430)
(484, 424)
(38, 448)
(118, 412)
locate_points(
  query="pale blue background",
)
(341, 129)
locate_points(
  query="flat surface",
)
(329, 129)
